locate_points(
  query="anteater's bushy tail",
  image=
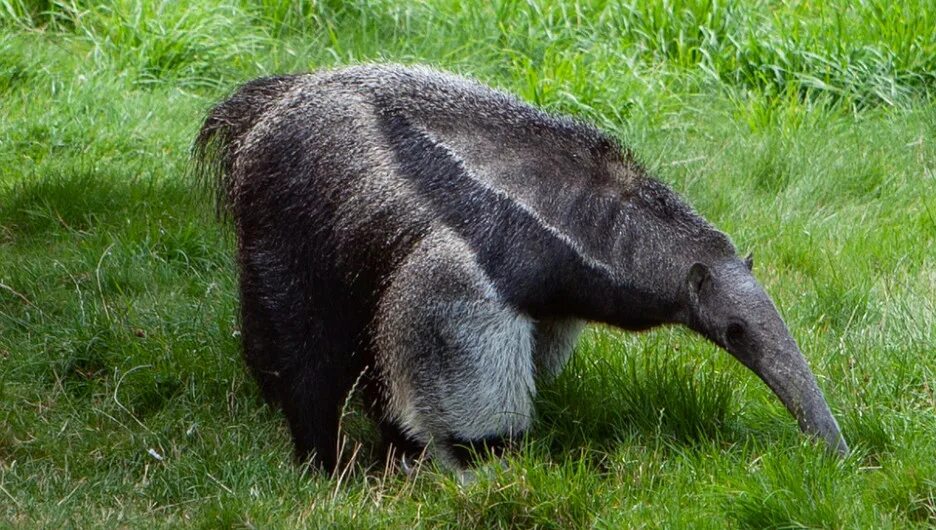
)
(222, 134)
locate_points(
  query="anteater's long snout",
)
(786, 373)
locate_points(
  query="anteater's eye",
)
(734, 335)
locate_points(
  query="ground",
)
(805, 130)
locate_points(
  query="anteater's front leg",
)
(555, 342)
(456, 359)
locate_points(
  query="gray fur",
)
(454, 240)
(554, 342)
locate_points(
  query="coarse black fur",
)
(372, 203)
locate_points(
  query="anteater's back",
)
(365, 160)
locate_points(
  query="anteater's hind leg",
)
(456, 359)
(317, 389)
(299, 335)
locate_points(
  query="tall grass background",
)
(805, 130)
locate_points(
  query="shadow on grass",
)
(81, 200)
(609, 393)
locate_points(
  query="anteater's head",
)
(725, 303)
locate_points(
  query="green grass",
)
(804, 129)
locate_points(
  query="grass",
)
(803, 129)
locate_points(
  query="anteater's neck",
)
(632, 264)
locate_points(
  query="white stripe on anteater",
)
(554, 231)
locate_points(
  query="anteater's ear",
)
(749, 261)
(699, 280)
